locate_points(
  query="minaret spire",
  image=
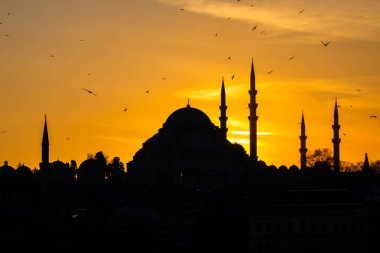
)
(45, 147)
(336, 140)
(303, 137)
(366, 167)
(253, 116)
(223, 111)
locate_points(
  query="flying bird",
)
(373, 116)
(358, 90)
(182, 9)
(216, 34)
(3, 132)
(89, 92)
(9, 13)
(52, 55)
(147, 91)
(229, 57)
(339, 106)
(67, 138)
(254, 28)
(291, 58)
(325, 44)
(301, 11)
(232, 77)
(164, 78)
(7, 35)
(81, 40)
(125, 109)
(344, 134)
(269, 72)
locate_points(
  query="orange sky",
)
(119, 49)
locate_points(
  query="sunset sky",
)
(119, 49)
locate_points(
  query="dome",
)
(134, 214)
(24, 170)
(7, 170)
(188, 118)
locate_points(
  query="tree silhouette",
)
(320, 158)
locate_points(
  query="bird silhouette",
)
(254, 28)
(373, 116)
(182, 9)
(229, 58)
(89, 92)
(81, 40)
(9, 13)
(232, 77)
(147, 91)
(52, 55)
(344, 134)
(7, 35)
(358, 90)
(339, 106)
(125, 109)
(3, 132)
(164, 78)
(216, 34)
(269, 72)
(301, 11)
(291, 58)
(325, 44)
(67, 138)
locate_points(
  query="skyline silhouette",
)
(119, 47)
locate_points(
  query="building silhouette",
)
(45, 148)
(188, 149)
(253, 116)
(336, 140)
(223, 111)
(303, 137)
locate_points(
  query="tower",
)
(366, 167)
(336, 140)
(253, 117)
(223, 112)
(303, 149)
(45, 147)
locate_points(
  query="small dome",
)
(7, 170)
(58, 165)
(188, 118)
(134, 214)
(24, 170)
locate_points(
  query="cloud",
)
(333, 19)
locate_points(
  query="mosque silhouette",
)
(189, 189)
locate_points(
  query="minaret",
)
(366, 167)
(253, 117)
(336, 140)
(303, 149)
(223, 112)
(45, 147)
